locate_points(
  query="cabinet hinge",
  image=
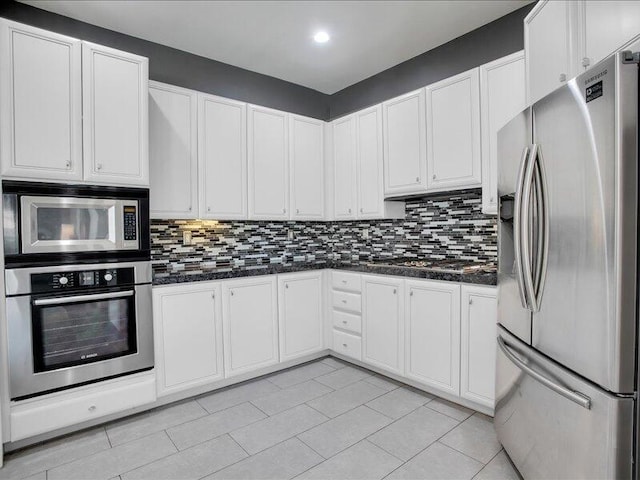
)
(630, 57)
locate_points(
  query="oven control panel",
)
(81, 279)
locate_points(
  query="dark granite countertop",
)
(480, 278)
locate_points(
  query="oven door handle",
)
(81, 298)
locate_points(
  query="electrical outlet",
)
(365, 233)
(186, 237)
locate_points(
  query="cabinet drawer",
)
(347, 301)
(73, 407)
(346, 281)
(347, 344)
(347, 321)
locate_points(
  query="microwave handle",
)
(82, 298)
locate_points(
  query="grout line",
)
(171, 439)
(106, 434)
(236, 442)
(313, 450)
(447, 415)
(250, 402)
(486, 464)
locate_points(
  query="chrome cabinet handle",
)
(563, 77)
(231, 292)
(434, 176)
(567, 393)
(349, 211)
(344, 345)
(297, 210)
(68, 164)
(286, 285)
(208, 209)
(517, 236)
(344, 321)
(361, 210)
(82, 298)
(394, 291)
(99, 166)
(418, 179)
(284, 210)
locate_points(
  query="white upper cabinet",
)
(115, 116)
(608, 26)
(268, 164)
(222, 157)
(173, 152)
(344, 168)
(550, 44)
(405, 164)
(478, 339)
(502, 97)
(40, 104)
(300, 314)
(433, 334)
(250, 324)
(453, 132)
(370, 163)
(307, 168)
(383, 323)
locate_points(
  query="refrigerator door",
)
(513, 141)
(553, 424)
(585, 134)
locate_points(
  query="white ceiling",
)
(275, 37)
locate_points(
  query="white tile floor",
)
(322, 420)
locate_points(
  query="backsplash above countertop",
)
(450, 225)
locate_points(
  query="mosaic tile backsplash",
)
(435, 227)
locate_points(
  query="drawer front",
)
(66, 409)
(347, 301)
(347, 344)
(346, 281)
(347, 321)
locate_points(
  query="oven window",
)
(72, 223)
(76, 333)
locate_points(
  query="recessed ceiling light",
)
(321, 37)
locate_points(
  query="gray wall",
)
(181, 68)
(493, 40)
(496, 39)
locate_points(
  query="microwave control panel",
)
(81, 279)
(130, 222)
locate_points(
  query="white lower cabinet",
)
(383, 323)
(188, 347)
(300, 314)
(250, 324)
(433, 334)
(478, 341)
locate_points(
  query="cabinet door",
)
(268, 164)
(382, 323)
(608, 26)
(478, 344)
(40, 104)
(188, 347)
(370, 163)
(250, 322)
(433, 334)
(300, 314)
(344, 168)
(453, 132)
(405, 161)
(173, 152)
(502, 97)
(222, 156)
(549, 46)
(307, 168)
(115, 116)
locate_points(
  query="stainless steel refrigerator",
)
(566, 369)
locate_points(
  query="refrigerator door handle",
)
(576, 397)
(542, 205)
(517, 228)
(525, 225)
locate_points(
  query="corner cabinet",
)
(405, 144)
(40, 104)
(478, 339)
(115, 116)
(433, 334)
(188, 347)
(306, 156)
(383, 323)
(301, 326)
(268, 150)
(453, 132)
(502, 97)
(222, 158)
(173, 152)
(250, 324)
(344, 168)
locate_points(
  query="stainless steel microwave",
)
(65, 222)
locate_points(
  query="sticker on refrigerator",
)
(593, 92)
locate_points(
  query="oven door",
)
(52, 224)
(63, 341)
